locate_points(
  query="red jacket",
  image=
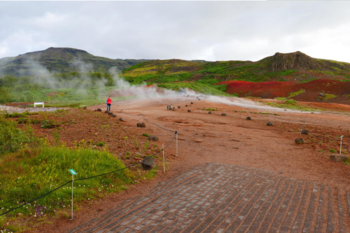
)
(109, 101)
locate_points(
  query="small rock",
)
(188, 110)
(248, 118)
(269, 123)
(198, 140)
(209, 112)
(299, 141)
(304, 131)
(99, 110)
(113, 115)
(191, 102)
(281, 172)
(110, 113)
(178, 106)
(168, 107)
(321, 94)
(106, 111)
(141, 125)
(223, 114)
(153, 138)
(199, 99)
(338, 158)
(186, 105)
(99, 210)
(148, 163)
(121, 119)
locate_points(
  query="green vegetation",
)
(332, 150)
(210, 109)
(291, 95)
(145, 134)
(291, 102)
(290, 106)
(328, 97)
(32, 172)
(202, 88)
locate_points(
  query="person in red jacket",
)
(109, 102)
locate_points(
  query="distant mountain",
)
(61, 60)
(296, 66)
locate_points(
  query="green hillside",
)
(61, 60)
(279, 67)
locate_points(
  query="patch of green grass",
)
(329, 96)
(332, 150)
(291, 95)
(100, 143)
(289, 106)
(210, 109)
(145, 134)
(32, 172)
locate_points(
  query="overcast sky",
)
(185, 30)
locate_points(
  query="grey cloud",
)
(185, 30)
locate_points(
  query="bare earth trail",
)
(232, 175)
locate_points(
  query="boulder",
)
(299, 141)
(248, 118)
(153, 138)
(304, 131)
(141, 125)
(223, 114)
(121, 119)
(269, 123)
(209, 112)
(148, 163)
(338, 158)
(188, 110)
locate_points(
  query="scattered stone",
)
(106, 111)
(110, 113)
(299, 141)
(223, 114)
(304, 131)
(168, 107)
(141, 125)
(338, 158)
(198, 140)
(98, 110)
(188, 110)
(121, 119)
(269, 123)
(99, 210)
(322, 94)
(186, 105)
(209, 112)
(173, 108)
(148, 163)
(191, 102)
(248, 118)
(113, 115)
(153, 138)
(178, 106)
(281, 172)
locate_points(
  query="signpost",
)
(341, 143)
(74, 173)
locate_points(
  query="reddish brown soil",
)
(207, 138)
(283, 89)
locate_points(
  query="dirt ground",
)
(230, 139)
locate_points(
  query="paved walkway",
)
(228, 198)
